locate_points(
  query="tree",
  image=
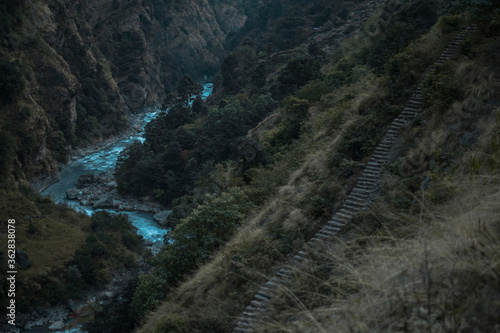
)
(186, 88)
(192, 242)
(297, 72)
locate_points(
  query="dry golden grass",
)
(444, 276)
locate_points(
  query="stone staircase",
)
(359, 198)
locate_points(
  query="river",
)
(104, 160)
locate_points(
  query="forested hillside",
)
(304, 92)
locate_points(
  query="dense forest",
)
(304, 91)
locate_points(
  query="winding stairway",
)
(359, 198)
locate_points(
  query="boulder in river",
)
(162, 217)
(57, 326)
(73, 193)
(85, 180)
(106, 202)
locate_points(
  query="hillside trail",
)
(358, 199)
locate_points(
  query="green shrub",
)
(172, 323)
(297, 72)
(192, 242)
(313, 91)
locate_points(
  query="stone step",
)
(252, 311)
(389, 139)
(298, 257)
(313, 241)
(400, 122)
(365, 185)
(383, 148)
(411, 113)
(361, 191)
(265, 294)
(389, 136)
(245, 323)
(331, 229)
(323, 236)
(374, 163)
(268, 289)
(385, 145)
(412, 101)
(369, 177)
(373, 169)
(340, 219)
(335, 224)
(258, 304)
(381, 159)
(370, 182)
(261, 298)
(372, 172)
(286, 270)
(277, 280)
(344, 214)
(382, 151)
(395, 128)
(327, 232)
(411, 109)
(358, 205)
(274, 285)
(360, 198)
(283, 275)
(349, 210)
(392, 131)
(407, 116)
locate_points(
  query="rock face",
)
(153, 43)
(84, 65)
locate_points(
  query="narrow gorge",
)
(249, 166)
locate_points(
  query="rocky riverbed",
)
(75, 314)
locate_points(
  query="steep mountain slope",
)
(318, 143)
(77, 68)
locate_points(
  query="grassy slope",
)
(306, 176)
(420, 260)
(48, 234)
(404, 237)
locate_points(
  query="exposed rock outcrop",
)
(162, 217)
